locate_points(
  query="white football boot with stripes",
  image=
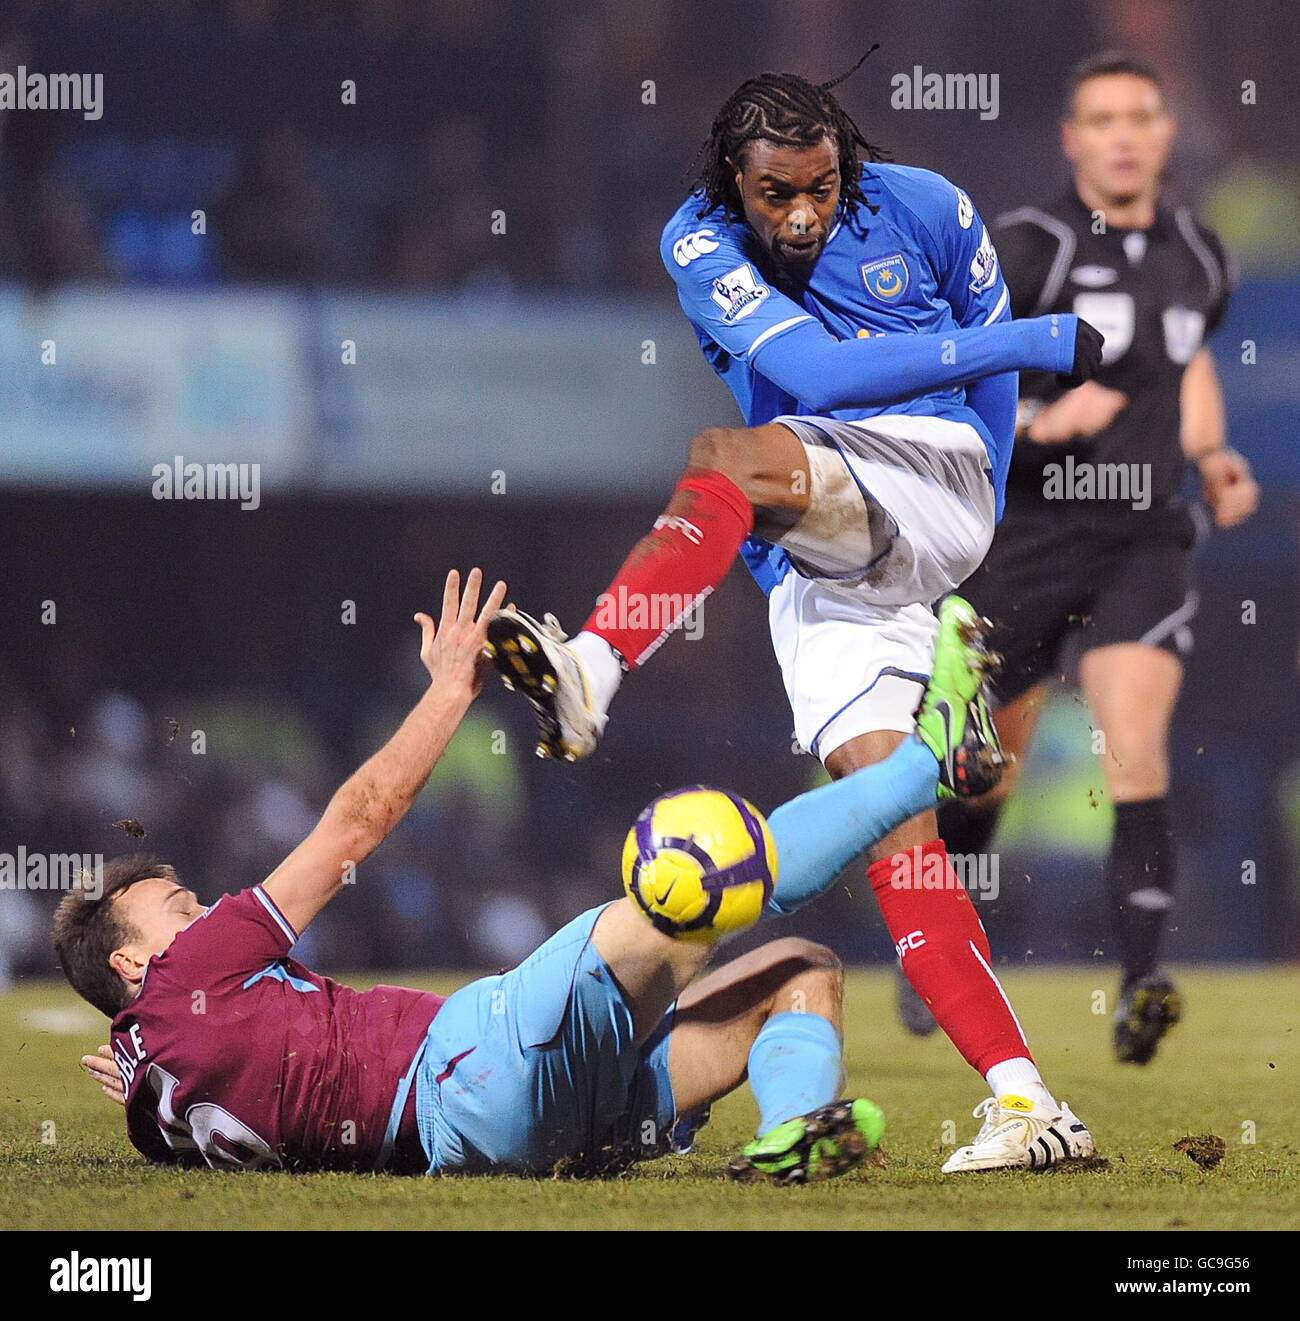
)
(534, 659)
(1020, 1134)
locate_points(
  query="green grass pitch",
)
(1231, 1069)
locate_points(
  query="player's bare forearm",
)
(371, 802)
(368, 806)
(1227, 485)
(1204, 424)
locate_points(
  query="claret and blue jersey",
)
(918, 261)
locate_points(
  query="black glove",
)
(1087, 356)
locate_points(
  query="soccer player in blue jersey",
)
(858, 315)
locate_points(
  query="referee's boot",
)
(1148, 1007)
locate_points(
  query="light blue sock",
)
(795, 1065)
(819, 833)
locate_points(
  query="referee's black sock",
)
(967, 827)
(1140, 874)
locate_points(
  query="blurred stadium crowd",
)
(463, 108)
(445, 891)
(182, 621)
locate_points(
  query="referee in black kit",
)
(1095, 549)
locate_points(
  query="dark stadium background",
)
(485, 358)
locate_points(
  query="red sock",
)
(676, 566)
(945, 954)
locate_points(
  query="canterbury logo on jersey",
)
(965, 209)
(685, 250)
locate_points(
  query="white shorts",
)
(902, 512)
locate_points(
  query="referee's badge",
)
(886, 279)
(1184, 330)
(1114, 314)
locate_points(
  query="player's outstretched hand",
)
(103, 1069)
(1083, 411)
(453, 651)
(1088, 341)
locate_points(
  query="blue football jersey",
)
(920, 261)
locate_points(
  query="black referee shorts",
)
(1055, 586)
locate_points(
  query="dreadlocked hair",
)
(791, 112)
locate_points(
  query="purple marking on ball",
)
(756, 837)
(715, 880)
(645, 840)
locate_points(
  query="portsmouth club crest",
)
(887, 278)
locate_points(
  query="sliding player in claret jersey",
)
(599, 1049)
(857, 313)
(1111, 578)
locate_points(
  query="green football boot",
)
(813, 1147)
(953, 720)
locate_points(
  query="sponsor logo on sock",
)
(679, 524)
(913, 940)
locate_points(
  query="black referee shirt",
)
(1154, 293)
